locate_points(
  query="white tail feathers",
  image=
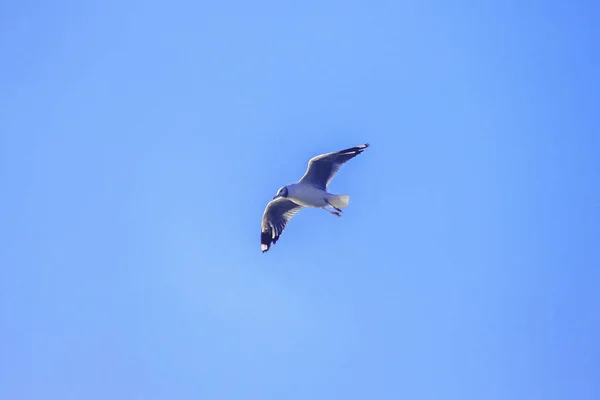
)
(341, 201)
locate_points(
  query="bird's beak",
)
(276, 196)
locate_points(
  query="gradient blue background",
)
(141, 141)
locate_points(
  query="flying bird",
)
(309, 191)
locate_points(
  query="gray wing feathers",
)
(321, 169)
(276, 216)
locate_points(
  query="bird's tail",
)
(340, 201)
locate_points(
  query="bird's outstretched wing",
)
(276, 216)
(321, 169)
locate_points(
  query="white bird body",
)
(309, 196)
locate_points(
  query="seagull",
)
(309, 191)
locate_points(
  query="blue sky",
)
(141, 141)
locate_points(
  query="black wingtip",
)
(359, 149)
(356, 150)
(265, 241)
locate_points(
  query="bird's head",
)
(283, 192)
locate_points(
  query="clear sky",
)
(140, 142)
